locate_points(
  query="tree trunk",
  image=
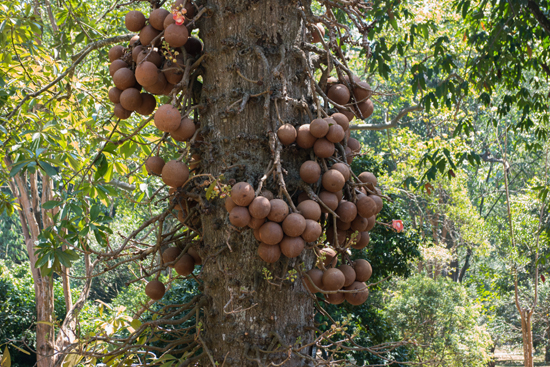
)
(246, 313)
(527, 336)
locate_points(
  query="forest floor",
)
(514, 357)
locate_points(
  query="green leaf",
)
(51, 204)
(46, 167)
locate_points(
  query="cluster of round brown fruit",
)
(153, 60)
(356, 97)
(182, 263)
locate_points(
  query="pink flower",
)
(178, 16)
(397, 224)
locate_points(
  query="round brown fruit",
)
(318, 33)
(167, 118)
(148, 34)
(339, 94)
(330, 200)
(346, 112)
(366, 207)
(147, 74)
(294, 225)
(131, 99)
(279, 210)
(363, 269)
(154, 165)
(121, 112)
(347, 211)
(339, 194)
(259, 207)
(242, 193)
(229, 204)
(151, 56)
(156, 19)
(333, 180)
(349, 155)
(292, 246)
(171, 254)
(362, 91)
(287, 134)
(114, 95)
(134, 21)
(366, 108)
(363, 241)
(175, 174)
(333, 279)
(341, 236)
(185, 265)
(372, 222)
(370, 178)
(323, 148)
(343, 169)
(310, 209)
(349, 274)
(239, 216)
(136, 52)
(304, 139)
(134, 40)
(124, 78)
(341, 120)
(379, 203)
(330, 257)
(193, 46)
(185, 131)
(168, 20)
(354, 145)
(176, 35)
(195, 255)
(267, 194)
(310, 172)
(148, 104)
(159, 87)
(172, 73)
(271, 233)
(335, 133)
(269, 253)
(256, 223)
(313, 231)
(318, 128)
(316, 276)
(359, 224)
(335, 298)
(342, 225)
(155, 290)
(257, 234)
(358, 298)
(116, 52)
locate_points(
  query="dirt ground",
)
(513, 358)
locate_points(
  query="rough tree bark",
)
(246, 312)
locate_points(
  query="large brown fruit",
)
(193, 46)
(156, 19)
(185, 265)
(175, 174)
(347, 211)
(131, 99)
(155, 290)
(379, 203)
(313, 231)
(362, 241)
(267, 194)
(318, 128)
(121, 112)
(271, 233)
(342, 225)
(370, 178)
(147, 74)
(372, 222)
(349, 155)
(346, 112)
(229, 204)
(358, 298)
(114, 95)
(292, 246)
(349, 274)
(341, 120)
(366, 207)
(330, 200)
(362, 91)
(335, 298)
(363, 269)
(256, 223)
(259, 207)
(171, 254)
(148, 104)
(310, 172)
(242, 193)
(167, 118)
(343, 169)
(323, 148)
(354, 77)
(168, 20)
(287, 134)
(359, 224)
(310, 209)
(333, 279)
(136, 52)
(279, 210)
(185, 131)
(147, 34)
(176, 35)
(159, 87)
(116, 52)
(333, 180)
(195, 255)
(134, 21)
(151, 56)
(257, 234)
(172, 72)
(316, 276)
(294, 225)
(154, 165)
(339, 194)
(354, 145)
(134, 40)
(366, 108)
(339, 94)
(330, 257)
(335, 133)
(269, 253)
(304, 139)
(239, 216)
(124, 78)
(340, 234)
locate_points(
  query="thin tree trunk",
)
(527, 336)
